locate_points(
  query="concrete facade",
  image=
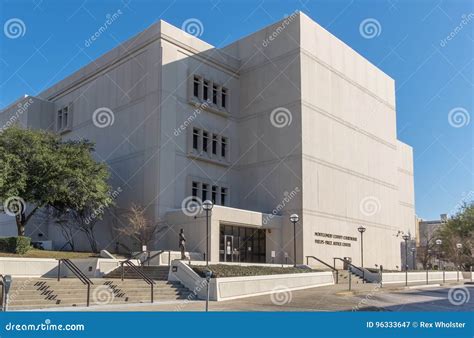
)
(308, 126)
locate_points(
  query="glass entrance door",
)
(241, 244)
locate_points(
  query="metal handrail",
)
(351, 265)
(326, 264)
(135, 269)
(78, 273)
(151, 257)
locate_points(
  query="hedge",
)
(19, 245)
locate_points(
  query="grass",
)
(36, 253)
(223, 270)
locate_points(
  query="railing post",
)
(88, 293)
(470, 269)
(4, 302)
(59, 270)
(458, 274)
(169, 257)
(122, 270)
(151, 292)
(350, 279)
(427, 276)
(444, 278)
(337, 277)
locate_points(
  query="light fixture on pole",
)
(438, 243)
(294, 218)
(207, 206)
(406, 237)
(361, 229)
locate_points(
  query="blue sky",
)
(434, 76)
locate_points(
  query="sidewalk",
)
(362, 297)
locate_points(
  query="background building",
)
(286, 120)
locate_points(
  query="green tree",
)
(39, 170)
(459, 230)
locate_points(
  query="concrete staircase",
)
(154, 272)
(38, 293)
(343, 277)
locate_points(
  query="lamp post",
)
(438, 243)
(459, 247)
(406, 237)
(413, 255)
(361, 229)
(294, 218)
(429, 258)
(207, 206)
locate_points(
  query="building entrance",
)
(241, 244)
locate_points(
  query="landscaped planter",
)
(240, 287)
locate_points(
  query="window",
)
(205, 95)
(195, 189)
(214, 144)
(63, 119)
(196, 83)
(205, 140)
(208, 145)
(204, 191)
(214, 194)
(206, 90)
(60, 120)
(195, 138)
(224, 97)
(223, 196)
(214, 94)
(224, 147)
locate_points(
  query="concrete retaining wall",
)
(48, 267)
(241, 287)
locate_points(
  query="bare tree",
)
(139, 227)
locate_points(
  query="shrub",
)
(223, 270)
(19, 245)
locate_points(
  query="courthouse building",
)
(286, 120)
